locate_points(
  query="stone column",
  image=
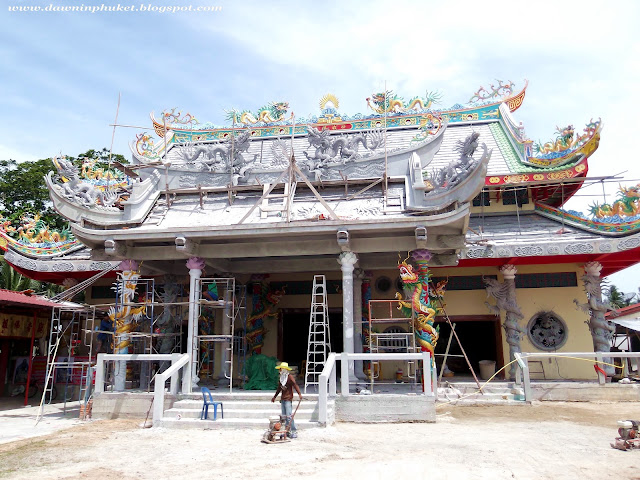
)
(225, 371)
(358, 318)
(190, 378)
(347, 261)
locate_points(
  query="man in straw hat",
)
(286, 384)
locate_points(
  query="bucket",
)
(487, 369)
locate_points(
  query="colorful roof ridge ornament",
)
(329, 105)
(389, 102)
(35, 238)
(502, 91)
(567, 147)
(272, 112)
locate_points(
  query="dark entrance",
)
(295, 334)
(480, 338)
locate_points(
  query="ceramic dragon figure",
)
(264, 306)
(505, 295)
(601, 329)
(125, 314)
(389, 102)
(423, 304)
(270, 113)
(35, 231)
(627, 204)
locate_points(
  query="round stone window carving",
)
(383, 284)
(547, 331)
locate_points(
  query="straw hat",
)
(283, 365)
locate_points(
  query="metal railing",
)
(327, 381)
(522, 364)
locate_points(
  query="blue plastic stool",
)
(208, 400)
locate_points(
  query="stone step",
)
(224, 395)
(303, 414)
(243, 405)
(260, 425)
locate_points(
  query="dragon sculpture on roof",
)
(389, 102)
(271, 113)
(627, 204)
(80, 191)
(340, 148)
(208, 153)
(459, 169)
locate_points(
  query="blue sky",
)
(61, 72)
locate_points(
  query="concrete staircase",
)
(242, 409)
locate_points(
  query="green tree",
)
(23, 191)
(12, 280)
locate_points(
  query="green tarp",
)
(262, 373)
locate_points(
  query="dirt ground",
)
(540, 441)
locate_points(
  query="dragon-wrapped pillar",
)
(421, 303)
(264, 303)
(505, 295)
(123, 317)
(601, 329)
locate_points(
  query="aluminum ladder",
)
(319, 343)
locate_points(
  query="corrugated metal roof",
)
(9, 297)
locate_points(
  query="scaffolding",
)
(397, 336)
(221, 305)
(68, 333)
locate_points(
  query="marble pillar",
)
(225, 370)
(347, 262)
(190, 379)
(358, 318)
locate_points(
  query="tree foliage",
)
(618, 299)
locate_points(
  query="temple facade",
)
(418, 218)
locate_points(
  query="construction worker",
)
(286, 384)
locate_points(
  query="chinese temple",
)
(454, 211)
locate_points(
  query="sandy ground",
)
(541, 441)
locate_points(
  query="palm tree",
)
(12, 280)
(618, 299)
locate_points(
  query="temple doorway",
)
(481, 339)
(294, 334)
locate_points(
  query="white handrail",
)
(328, 374)
(158, 388)
(152, 357)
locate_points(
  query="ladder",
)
(319, 343)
